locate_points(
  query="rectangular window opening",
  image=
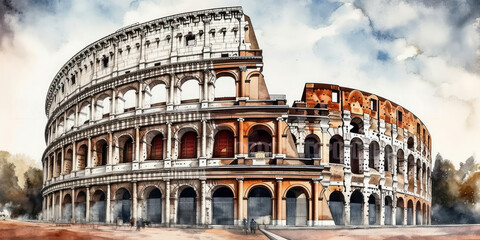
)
(373, 105)
(335, 96)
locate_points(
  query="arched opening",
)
(418, 211)
(222, 206)
(311, 147)
(400, 159)
(129, 100)
(82, 157)
(158, 95)
(409, 212)
(187, 207)
(388, 210)
(67, 208)
(337, 207)
(411, 171)
(399, 212)
(80, 207)
(102, 108)
(67, 162)
(188, 145)
(424, 214)
(98, 207)
(388, 159)
(356, 155)
(260, 205)
(374, 155)
(58, 169)
(70, 122)
(101, 148)
(223, 145)
(410, 143)
(190, 91)
(373, 211)
(156, 148)
(356, 125)
(60, 127)
(356, 208)
(260, 144)
(122, 206)
(56, 209)
(297, 207)
(126, 149)
(154, 206)
(225, 88)
(336, 149)
(84, 114)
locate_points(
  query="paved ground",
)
(431, 232)
(29, 230)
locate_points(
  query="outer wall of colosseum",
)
(170, 121)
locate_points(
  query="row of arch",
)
(259, 206)
(336, 155)
(337, 205)
(128, 99)
(223, 147)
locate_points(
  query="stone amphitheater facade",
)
(170, 121)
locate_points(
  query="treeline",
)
(20, 202)
(455, 193)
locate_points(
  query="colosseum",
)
(171, 121)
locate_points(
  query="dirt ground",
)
(30, 230)
(431, 232)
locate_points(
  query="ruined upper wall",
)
(192, 36)
(359, 102)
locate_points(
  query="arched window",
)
(158, 95)
(225, 88)
(311, 147)
(127, 151)
(102, 108)
(190, 91)
(188, 148)
(260, 141)
(84, 114)
(356, 155)
(388, 160)
(130, 100)
(410, 143)
(82, 157)
(102, 152)
(373, 155)
(223, 146)
(156, 151)
(336, 149)
(356, 125)
(400, 159)
(70, 121)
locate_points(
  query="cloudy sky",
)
(423, 55)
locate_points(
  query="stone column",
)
(394, 210)
(382, 208)
(243, 70)
(54, 165)
(73, 204)
(54, 215)
(137, 143)
(74, 157)
(107, 217)
(240, 201)
(279, 135)
(204, 138)
(315, 202)
(240, 136)
(75, 122)
(113, 104)
(60, 206)
(140, 96)
(134, 205)
(110, 148)
(203, 204)
(92, 110)
(279, 202)
(172, 86)
(87, 202)
(62, 169)
(365, 209)
(167, 162)
(48, 207)
(167, 202)
(89, 153)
